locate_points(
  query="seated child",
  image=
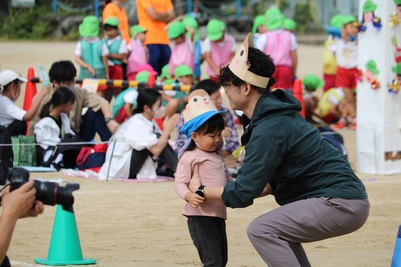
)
(51, 129)
(311, 83)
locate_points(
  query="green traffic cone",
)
(65, 247)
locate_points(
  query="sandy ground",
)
(139, 224)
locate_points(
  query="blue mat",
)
(39, 169)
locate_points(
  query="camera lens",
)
(52, 193)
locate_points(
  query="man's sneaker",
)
(339, 125)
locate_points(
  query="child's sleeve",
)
(78, 50)
(182, 177)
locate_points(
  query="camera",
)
(49, 193)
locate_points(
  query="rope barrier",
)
(133, 84)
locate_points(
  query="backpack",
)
(335, 138)
(6, 154)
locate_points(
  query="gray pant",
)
(278, 234)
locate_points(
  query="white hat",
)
(7, 76)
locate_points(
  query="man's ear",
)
(247, 88)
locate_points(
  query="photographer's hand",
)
(17, 204)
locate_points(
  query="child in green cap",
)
(281, 45)
(117, 52)
(311, 83)
(183, 49)
(138, 52)
(218, 48)
(91, 53)
(190, 22)
(259, 27)
(347, 60)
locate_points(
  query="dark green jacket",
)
(283, 149)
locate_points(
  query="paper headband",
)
(239, 65)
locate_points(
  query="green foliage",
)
(305, 15)
(25, 23)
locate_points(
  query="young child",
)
(329, 58)
(117, 52)
(218, 48)
(331, 105)
(138, 143)
(259, 27)
(347, 72)
(282, 46)
(91, 53)
(52, 127)
(138, 52)
(311, 83)
(206, 219)
(183, 52)
(191, 24)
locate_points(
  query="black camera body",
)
(49, 193)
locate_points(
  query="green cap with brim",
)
(272, 12)
(193, 24)
(371, 66)
(112, 21)
(369, 6)
(397, 69)
(337, 21)
(289, 24)
(215, 29)
(259, 20)
(136, 29)
(182, 70)
(165, 74)
(397, 2)
(89, 27)
(275, 22)
(142, 76)
(347, 20)
(175, 30)
(312, 82)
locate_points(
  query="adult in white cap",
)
(319, 195)
(13, 117)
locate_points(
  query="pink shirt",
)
(212, 171)
(220, 54)
(278, 46)
(183, 53)
(137, 57)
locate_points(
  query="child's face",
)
(262, 29)
(208, 142)
(350, 29)
(187, 80)
(67, 107)
(399, 79)
(398, 11)
(217, 99)
(141, 37)
(367, 16)
(111, 32)
(179, 40)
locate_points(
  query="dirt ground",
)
(140, 223)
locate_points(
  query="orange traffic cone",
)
(297, 92)
(30, 89)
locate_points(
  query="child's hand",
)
(226, 133)
(91, 70)
(194, 199)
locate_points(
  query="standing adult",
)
(319, 195)
(153, 15)
(116, 9)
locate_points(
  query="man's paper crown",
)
(239, 65)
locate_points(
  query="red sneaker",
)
(339, 125)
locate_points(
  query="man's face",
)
(234, 93)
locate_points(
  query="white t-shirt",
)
(78, 50)
(262, 41)
(9, 112)
(130, 97)
(346, 54)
